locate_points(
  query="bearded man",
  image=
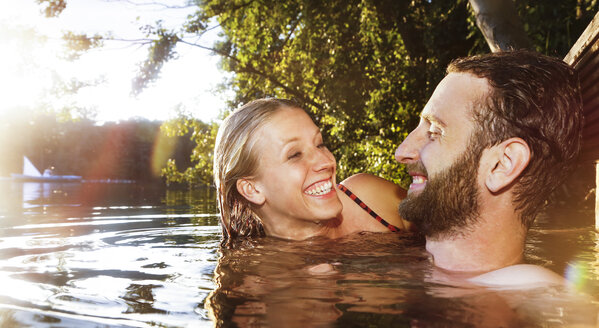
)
(498, 135)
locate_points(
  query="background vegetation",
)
(132, 150)
(363, 68)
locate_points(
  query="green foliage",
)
(554, 25)
(203, 136)
(77, 44)
(52, 8)
(162, 49)
(363, 68)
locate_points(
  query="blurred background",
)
(135, 89)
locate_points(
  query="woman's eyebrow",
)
(292, 139)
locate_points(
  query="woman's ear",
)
(247, 189)
(509, 158)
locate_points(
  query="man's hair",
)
(536, 98)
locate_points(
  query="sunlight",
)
(30, 292)
(35, 74)
(164, 148)
(23, 80)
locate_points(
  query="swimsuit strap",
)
(367, 209)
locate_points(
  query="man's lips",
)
(418, 182)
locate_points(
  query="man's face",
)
(443, 159)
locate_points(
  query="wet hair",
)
(235, 158)
(536, 98)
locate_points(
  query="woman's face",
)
(296, 172)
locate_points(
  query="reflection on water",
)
(78, 254)
(113, 255)
(374, 280)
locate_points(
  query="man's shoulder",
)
(519, 276)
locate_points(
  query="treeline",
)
(136, 149)
(364, 69)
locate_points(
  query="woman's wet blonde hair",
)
(236, 158)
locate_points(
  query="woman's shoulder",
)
(368, 183)
(380, 195)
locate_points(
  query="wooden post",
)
(597, 195)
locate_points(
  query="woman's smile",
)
(320, 188)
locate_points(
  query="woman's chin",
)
(330, 213)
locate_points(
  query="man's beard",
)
(448, 205)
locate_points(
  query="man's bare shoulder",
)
(519, 276)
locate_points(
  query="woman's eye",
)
(294, 155)
(322, 145)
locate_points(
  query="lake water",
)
(131, 255)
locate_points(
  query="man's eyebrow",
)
(433, 119)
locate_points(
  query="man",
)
(499, 133)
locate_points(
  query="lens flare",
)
(164, 147)
(577, 274)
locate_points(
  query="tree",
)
(363, 68)
(203, 136)
(499, 22)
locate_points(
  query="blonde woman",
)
(274, 176)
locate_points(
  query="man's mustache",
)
(417, 167)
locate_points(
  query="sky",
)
(29, 66)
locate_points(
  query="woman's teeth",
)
(322, 189)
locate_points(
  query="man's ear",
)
(247, 189)
(509, 159)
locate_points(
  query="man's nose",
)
(409, 150)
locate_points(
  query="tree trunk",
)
(500, 24)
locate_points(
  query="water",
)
(119, 255)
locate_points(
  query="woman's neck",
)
(304, 229)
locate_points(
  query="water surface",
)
(114, 255)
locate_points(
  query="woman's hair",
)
(236, 158)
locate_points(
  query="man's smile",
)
(418, 183)
(419, 176)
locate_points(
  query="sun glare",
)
(19, 81)
(33, 66)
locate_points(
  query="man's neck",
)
(493, 243)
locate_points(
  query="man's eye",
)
(434, 134)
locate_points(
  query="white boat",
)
(31, 173)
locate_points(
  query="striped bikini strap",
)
(367, 209)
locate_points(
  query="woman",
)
(274, 176)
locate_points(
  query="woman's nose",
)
(409, 150)
(323, 160)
